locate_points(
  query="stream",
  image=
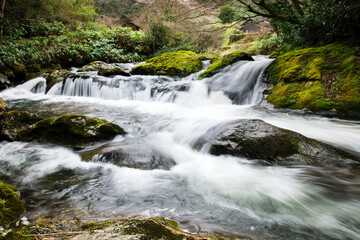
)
(165, 117)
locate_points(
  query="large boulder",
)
(225, 61)
(255, 139)
(75, 131)
(20, 72)
(180, 63)
(319, 78)
(104, 69)
(11, 206)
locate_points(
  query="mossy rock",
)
(94, 66)
(3, 108)
(20, 72)
(56, 77)
(255, 139)
(73, 131)
(106, 72)
(14, 123)
(225, 61)
(180, 63)
(10, 205)
(323, 78)
(33, 68)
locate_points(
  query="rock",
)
(255, 139)
(55, 77)
(132, 155)
(20, 72)
(319, 78)
(224, 61)
(4, 82)
(10, 205)
(104, 69)
(3, 107)
(113, 71)
(73, 131)
(33, 68)
(180, 63)
(14, 123)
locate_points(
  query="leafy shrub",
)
(227, 14)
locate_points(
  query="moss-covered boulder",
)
(10, 205)
(323, 78)
(180, 63)
(73, 131)
(20, 72)
(15, 123)
(56, 77)
(33, 68)
(3, 107)
(255, 139)
(106, 72)
(225, 61)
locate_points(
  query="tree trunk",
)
(2, 18)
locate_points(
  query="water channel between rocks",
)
(166, 175)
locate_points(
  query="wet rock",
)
(20, 72)
(14, 123)
(33, 68)
(180, 63)
(137, 156)
(11, 206)
(4, 82)
(73, 131)
(225, 61)
(55, 77)
(104, 69)
(3, 107)
(255, 139)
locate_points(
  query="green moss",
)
(55, 77)
(224, 61)
(19, 71)
(180, 63)
(10, 205)
(73, 130)
(332, 74)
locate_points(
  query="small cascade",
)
(240, 81)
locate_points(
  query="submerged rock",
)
(255, 139)
(137, 155)
(180, 63)
(15, 123)
(225, 61)
(11, 206)
(104, 69)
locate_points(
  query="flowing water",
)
(165, 117)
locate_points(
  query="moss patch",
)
(224, 61)
(320, 78)
(10, 205)
(73, 130)
(180, 63)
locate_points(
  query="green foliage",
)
(267, 45)
(77, 48)
(227, 14)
